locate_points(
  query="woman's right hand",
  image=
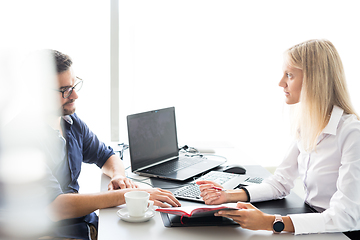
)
(210, 195)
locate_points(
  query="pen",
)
(217, 188)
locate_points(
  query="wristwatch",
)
(278, 224)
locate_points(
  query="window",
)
(219, 64)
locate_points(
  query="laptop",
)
(154, 150)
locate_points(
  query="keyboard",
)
(173, 166)
(192, 192)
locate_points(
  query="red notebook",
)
(195, 211)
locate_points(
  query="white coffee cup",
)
(137, 203)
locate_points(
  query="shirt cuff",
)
(260, 192)
(307, 223)
(247, 193)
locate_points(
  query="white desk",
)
(112, 227)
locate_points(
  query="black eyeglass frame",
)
(72, 88)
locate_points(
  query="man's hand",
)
(163, 198)
(114, 168)
(121, 182)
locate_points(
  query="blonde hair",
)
(323, 86)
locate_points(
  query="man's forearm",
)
(113, 166)
(72, 205)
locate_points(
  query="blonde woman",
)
(326, 153)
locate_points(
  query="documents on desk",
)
(196, 211)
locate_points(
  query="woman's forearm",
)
(237, 195)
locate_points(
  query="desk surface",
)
(112, 227)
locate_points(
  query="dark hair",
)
(63, 61)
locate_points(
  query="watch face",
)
(278, 226)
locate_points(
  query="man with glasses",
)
(72, 212)
(67, 91)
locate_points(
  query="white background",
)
(217, 62)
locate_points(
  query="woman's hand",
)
(121, 182)
(210, 195)
(162, 198)
(249, 217)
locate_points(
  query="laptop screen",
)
(152, 137)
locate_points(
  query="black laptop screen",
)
(152, 137)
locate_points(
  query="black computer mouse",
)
(234, 169)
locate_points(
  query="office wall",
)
(219, 64)
(78, 28)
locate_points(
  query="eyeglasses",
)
(68, 91)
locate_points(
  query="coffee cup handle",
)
(150, 205)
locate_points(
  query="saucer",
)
(124, 215)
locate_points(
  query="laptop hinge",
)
(154, 164)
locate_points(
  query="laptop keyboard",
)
(192, 190)
(173, 166)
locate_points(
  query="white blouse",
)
(330, 174)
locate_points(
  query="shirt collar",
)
(68, 119)
(335, 117)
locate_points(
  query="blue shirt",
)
(62, 175)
